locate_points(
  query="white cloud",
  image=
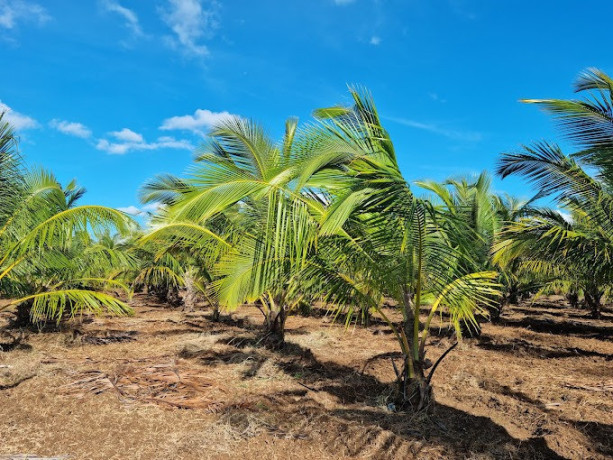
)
(14, 11)
(112, 148)
(566, 216)
(191, 22)
(129, 16)
(135, 142)
(374, 40)
(71, 128)
(196, 123)
(436, 97)
(343, 2)
(127, 135)
(17, 120)
(153, 207)
(150, 208)
(172, 143)
(131, 210)
(469, 136)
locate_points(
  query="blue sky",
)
(113, 92)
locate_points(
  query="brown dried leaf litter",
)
(190, 388)
(172, 385)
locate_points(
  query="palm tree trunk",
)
(413, 388)
(274, 335)
(496, 312)
(416, 389)
(366, 317)
(573, 299)
(22, 316)
(510, 298)
(513, 295)
(216, 313)
(593, 298)
(191, 293)
(173, 297)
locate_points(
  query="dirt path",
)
(170, 384)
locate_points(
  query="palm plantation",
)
(47, 245)
(324, 218)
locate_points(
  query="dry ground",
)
(169, 384)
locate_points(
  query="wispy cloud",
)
(127, 135)
(14, 11)
(343, 2)
(437, 98)
(375, 40)
(459, 135)
(131, 210)
(71, 128)
(127, 140)
(461, 8)
(130, 18)
(17, 120)
(565, 215)
(191, 22)
(200, 121)
(143, 211)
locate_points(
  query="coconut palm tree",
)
(45, 244)
(10, 172)
(516, 277)
(249, 203)
(475, 218)
(165, 269)
(377, 239)
(570, 254)
(470, 216)
(581, 182)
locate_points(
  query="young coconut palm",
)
(40, 233)
(588, 123)
(517, 279)
(572, 254)
(470, 217)
(475, 219)
(377, 239)
(248, 200)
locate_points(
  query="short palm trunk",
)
(274, 333)
(23, 316)
(191, 296)
(573, 299)
(414, 392)
(593, 300)
(166, 294)
(216, 316)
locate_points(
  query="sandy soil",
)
(172, 384)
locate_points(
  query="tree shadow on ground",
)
(561, 328)
(205, 323)
(460, 434)
(600, 435)
(561, 313)
(520, 346)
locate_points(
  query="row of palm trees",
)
(325, 215)
(53, 257)
(573, 251)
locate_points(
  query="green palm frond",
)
(55, 304)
